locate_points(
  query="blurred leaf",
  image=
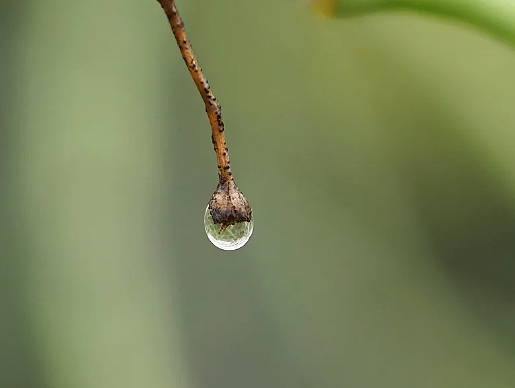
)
(497, 17)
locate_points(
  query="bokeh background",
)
(377, 153)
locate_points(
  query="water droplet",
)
(233, 237)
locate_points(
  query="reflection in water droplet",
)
(232, 238)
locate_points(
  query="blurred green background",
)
(377, 154)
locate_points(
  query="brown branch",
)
(228, 205)
(213, 108)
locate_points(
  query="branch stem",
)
(213, 108)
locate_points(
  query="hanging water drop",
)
(228, 217)
(233, 237)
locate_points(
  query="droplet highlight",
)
(232, 238)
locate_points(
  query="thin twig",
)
(213, 108)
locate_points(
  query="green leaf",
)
(497, 17)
